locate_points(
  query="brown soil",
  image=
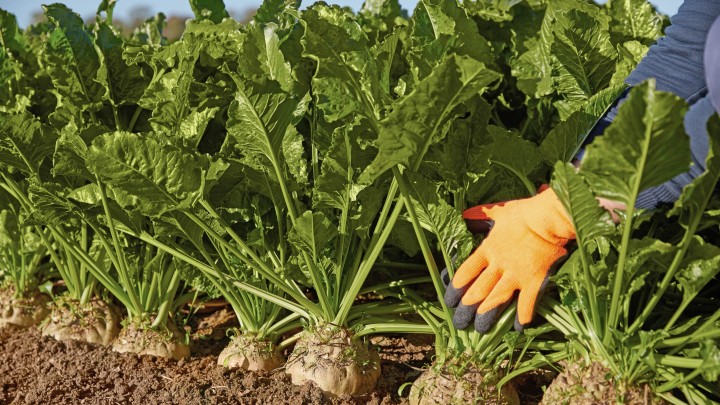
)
(35, 369)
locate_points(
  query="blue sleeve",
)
(676, 63)
(676, 60)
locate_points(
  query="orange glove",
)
(527, 238)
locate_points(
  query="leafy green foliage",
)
(636, 154)
(290, 164)
(213, 10)
(423, 116)
(616, 280)
(159, 177)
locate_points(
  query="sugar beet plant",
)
(269, 212)
(158, 189)
(78, 313)
(24, 268)
(286, 165)
(492, 151)
(628, 292)
(85, 68)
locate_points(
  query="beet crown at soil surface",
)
(97, 322)
(441, 386)
(330, 357)
(581, 384)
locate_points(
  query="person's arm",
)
(676, 63)
(676, 60)
(696, 127)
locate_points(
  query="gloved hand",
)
(527, 238)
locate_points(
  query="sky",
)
(24, 9)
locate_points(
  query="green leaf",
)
(281, 12)
(11, 38)
(563, 141)
(124, 83)
(9, 229)
(312, 233)
(346, 80)
(107, 7)
(403, 237)
(566, 138)
(278, 69)
(440, 28)
(14, 94)
(70, 149)
(515, 154)
(464, 156)
(157, 178)
(262, 57)
(193, 126)
(258, 120)
(336, 186)
(497, 10)
(423, 117)
(438, 217)
(293, 150)
(73, 63)
(363, 214)
(695, 196)
(168, 96)
(25, 142)
(711, 360)
(534, 67)
(213, 10)
(589, 219)
(585, 58)
(631, 53)
(700, 266)
(51, 205)
(634, 20)
(645, 146)
(221, 42)
(646, 256)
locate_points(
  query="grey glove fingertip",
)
(445, 277)
(453, 295)
(464, 316)
(485, 321)
(445, 274)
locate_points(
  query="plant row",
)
(311, 167)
